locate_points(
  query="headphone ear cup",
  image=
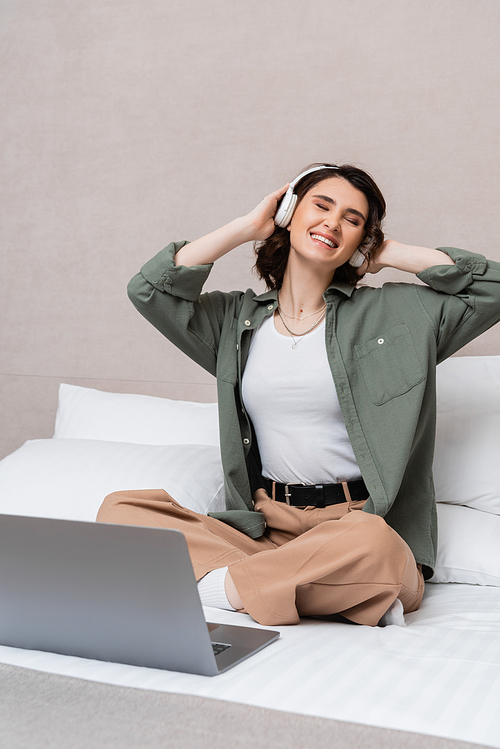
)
(287, 206)
(286, 209)
(357, 259)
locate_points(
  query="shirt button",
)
(271, 306)
(246, 441)
(380, 340)
(237, 347)
(247, 323)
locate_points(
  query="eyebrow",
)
(348, 210)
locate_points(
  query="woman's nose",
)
(332, 222)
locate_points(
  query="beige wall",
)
(127, 124)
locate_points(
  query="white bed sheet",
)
(439, 675)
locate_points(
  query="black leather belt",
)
(316, 495)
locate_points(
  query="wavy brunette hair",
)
(272, 253)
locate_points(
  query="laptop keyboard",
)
(219, 647)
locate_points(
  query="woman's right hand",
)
(254, 227)
(261, 219)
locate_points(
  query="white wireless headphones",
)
(289, 201)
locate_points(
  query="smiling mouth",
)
(328, 242)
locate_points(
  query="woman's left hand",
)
(410, 258)
(378, 261)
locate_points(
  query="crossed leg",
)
(310, 562)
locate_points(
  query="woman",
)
(326, 398)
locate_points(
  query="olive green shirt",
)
(383, 345)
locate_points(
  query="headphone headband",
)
(310, 171)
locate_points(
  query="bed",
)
(433, 682)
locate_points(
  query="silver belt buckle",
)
(287, 492)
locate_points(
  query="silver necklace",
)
(301, 335)
(299, 318)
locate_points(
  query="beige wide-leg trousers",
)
(309, 562)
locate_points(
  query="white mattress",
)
(438, 675)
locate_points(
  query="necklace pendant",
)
(294, 345)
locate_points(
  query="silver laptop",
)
(117, 593)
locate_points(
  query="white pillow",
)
(467, 458)
(468, 546)
(84, 413)
(69, 478)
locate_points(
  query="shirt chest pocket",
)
(389, 364)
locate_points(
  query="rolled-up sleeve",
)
(162, 273)
(169, 297)
(468, 302)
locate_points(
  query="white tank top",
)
(291, 399)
